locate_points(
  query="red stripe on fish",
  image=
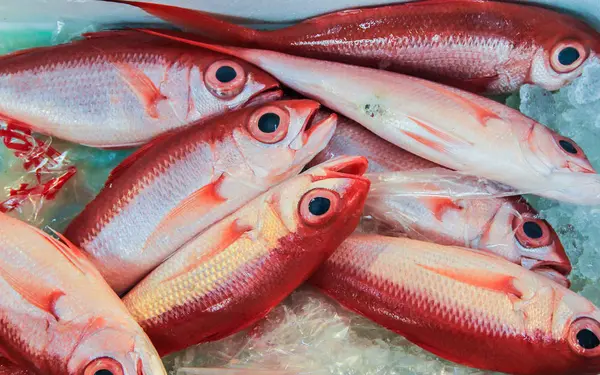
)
(479, 279)
(440, 205)
(427, 142)
(143, 87)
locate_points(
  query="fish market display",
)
(508, 227)
(469, 307)
(177, 186)
(123, 88)
(481, 46)
(234, 273)
(453, 128)
(59, 317)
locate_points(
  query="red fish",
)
(469, 307)
(420, 209)
(482, 46)
(123, 88)
(231, 275)
(59, 317)
(179, 185)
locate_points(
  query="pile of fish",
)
(265, 157)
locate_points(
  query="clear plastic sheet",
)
(308, 333)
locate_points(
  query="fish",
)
(179, 185)
(481, 46)
(119, 89)
(290, 11)
(59, 317)
(454, 128)
(417, 206)
(235, 272)
(472, 308)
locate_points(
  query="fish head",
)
(576, 323)
(324, 203)
(538, 245)
(513, 230)
(558, 153)
(234, 83)
(115, 349)
(280, 138)
(567, 46)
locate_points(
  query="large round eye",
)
(104, 366)
(225, 79)
(269, 124)
(584, 337)
(318, 206)
(531, 232)
(568, 56)
(569, 146)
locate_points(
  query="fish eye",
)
(269, 124)
(225, 74)
(104, 366)
(568, 56)
(532, 229)
(225, 79)
(568, 146)
(584, 337)
(532, 232)
(587, 339)
(318, 206)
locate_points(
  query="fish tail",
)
(201, 23)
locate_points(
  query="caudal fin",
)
(201, 23)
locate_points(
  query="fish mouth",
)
(269, 94)
(315, 133)
(351, 167)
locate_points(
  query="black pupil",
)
(568, 56)
(587, 339)
(319, 206)
(226, 74)
(103, 372)
(532, 229)
(567, 146)
(268, 123)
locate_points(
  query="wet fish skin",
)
(481, 46)
(277, 11)
(451, 127)
(236, 271)
(490, 224)
(59, 317)
(469, 307)
(120, 88)
(190, 180)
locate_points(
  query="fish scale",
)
(460, 304)
(481, 46)
(232, 274)
(188, 181)
(115, 89)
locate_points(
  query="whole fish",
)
(450, 127)
(230, 276)
(506, 226)
(59, 317)
(469, 307)
(285, 11)
(481, 46)
(123, 88)
(179, 185)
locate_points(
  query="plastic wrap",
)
(308, 333)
